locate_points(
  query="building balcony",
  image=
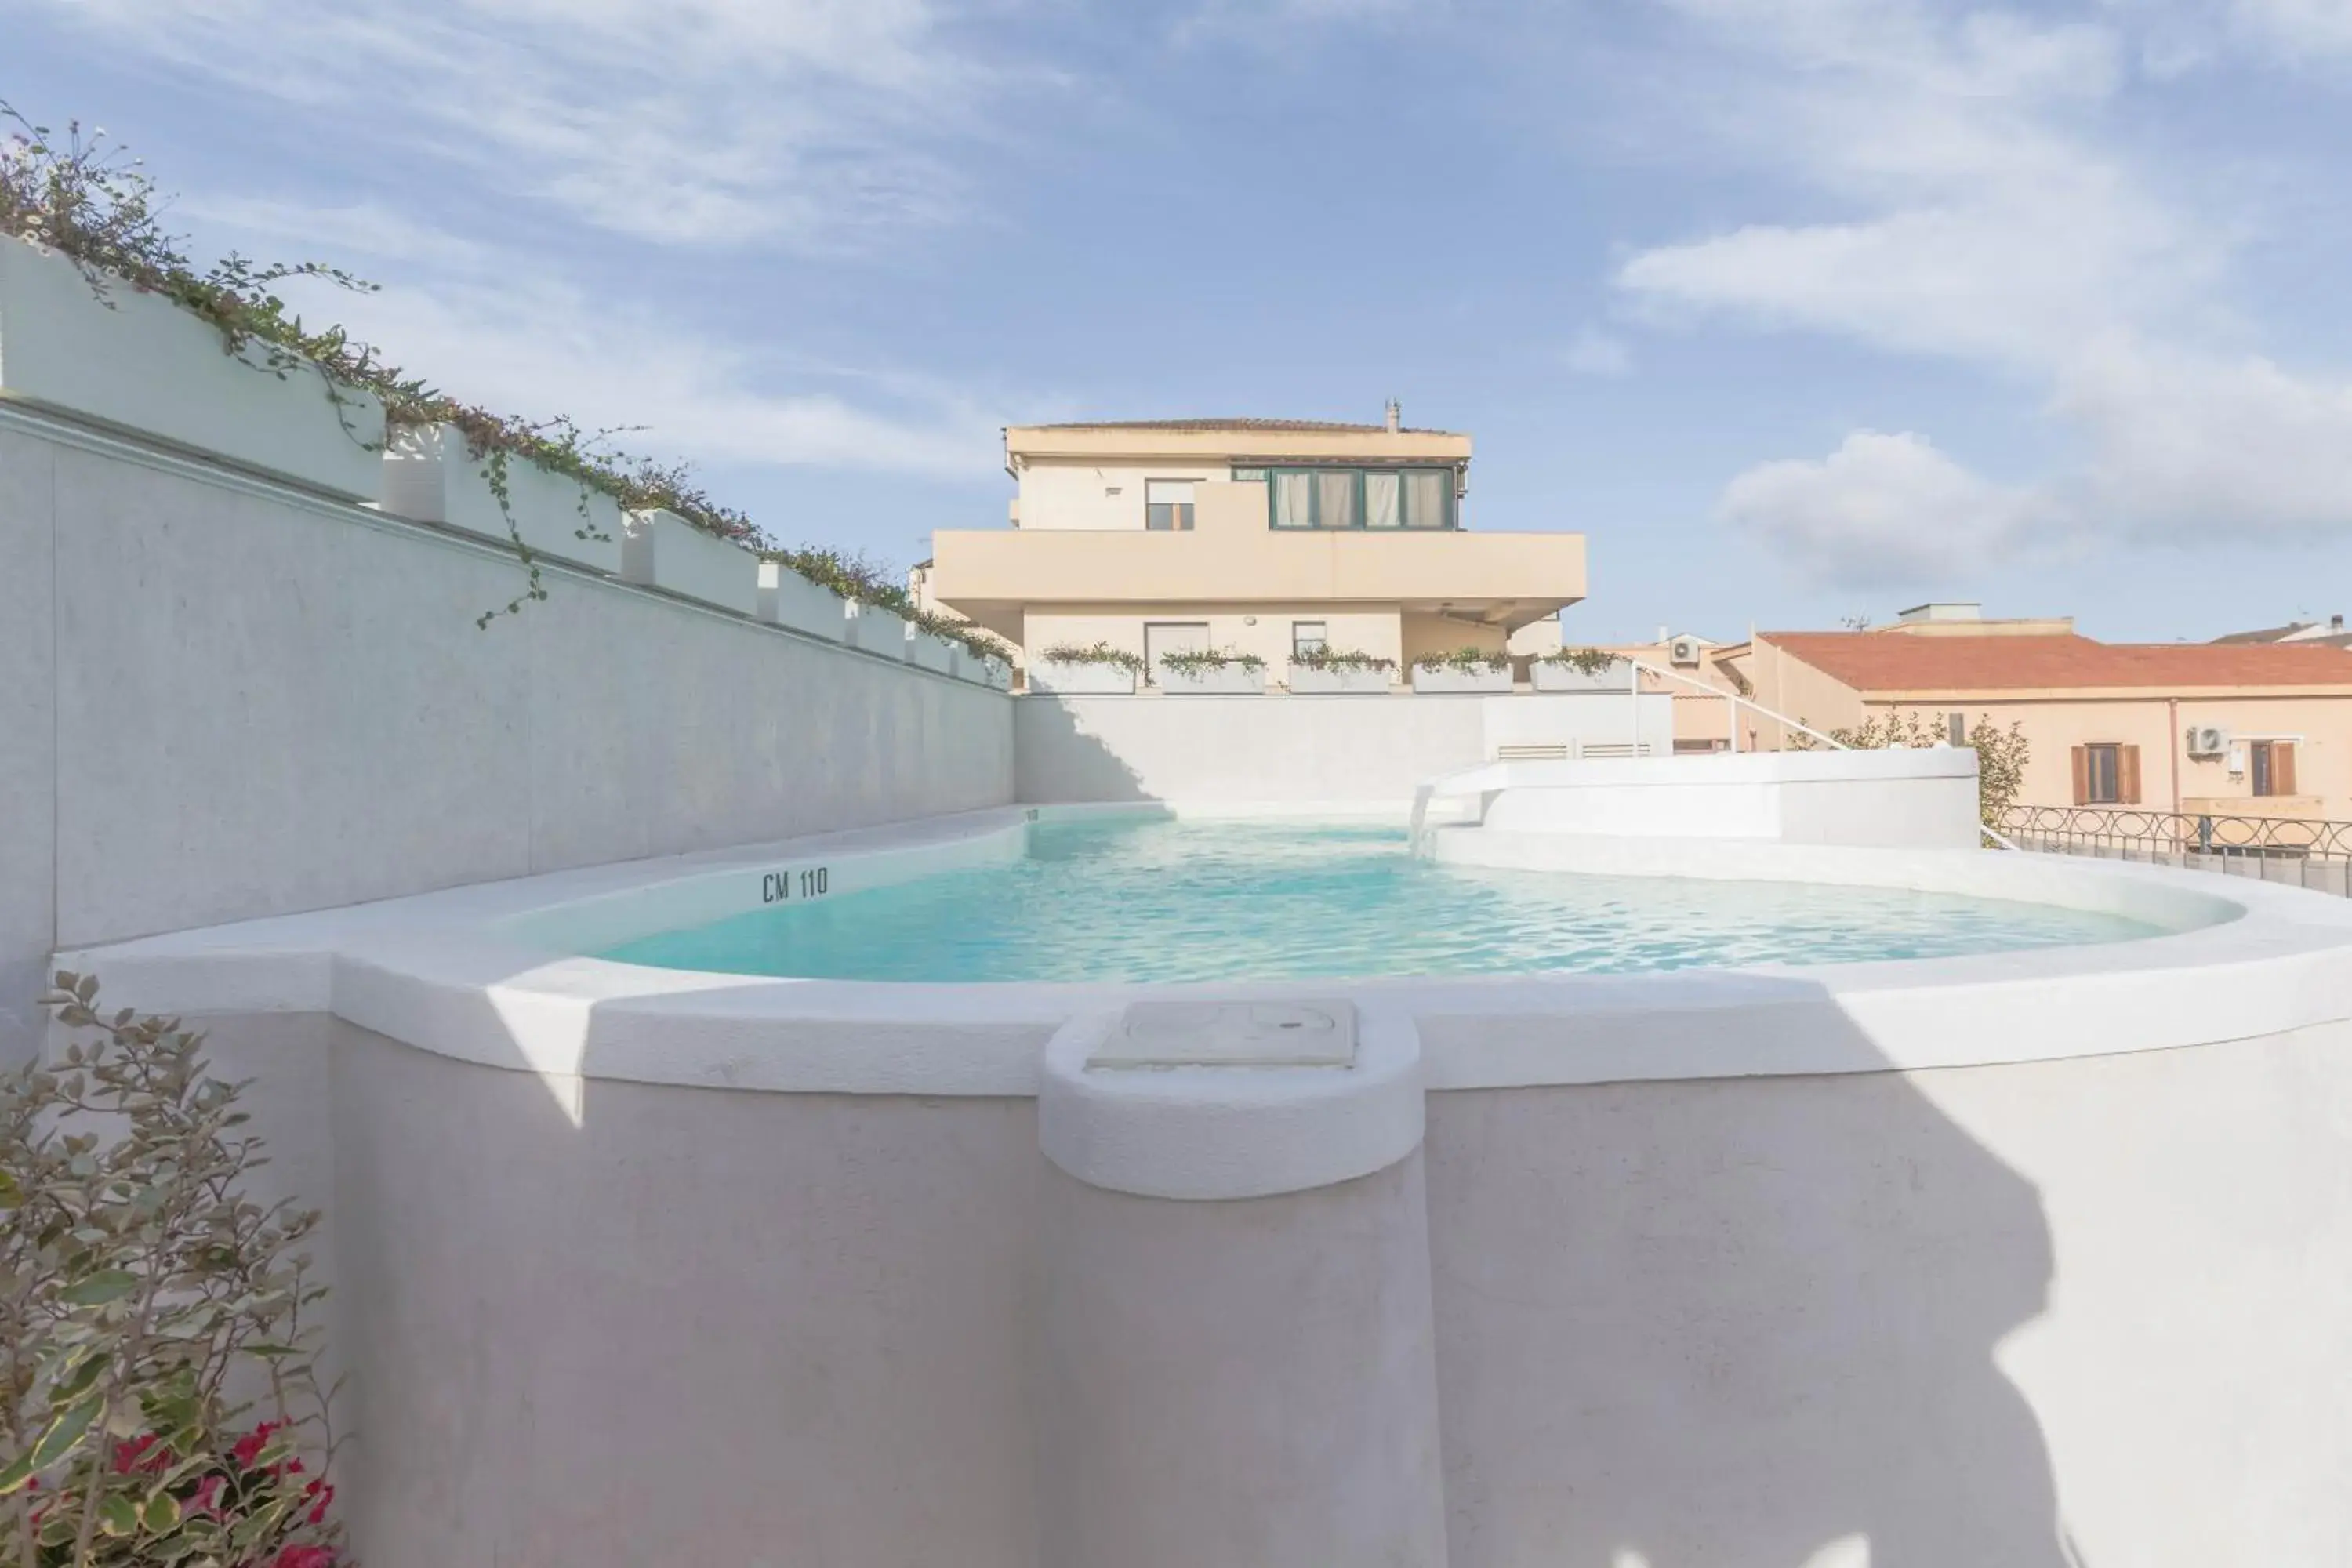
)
(1503, 579)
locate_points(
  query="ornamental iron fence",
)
(2301, 851)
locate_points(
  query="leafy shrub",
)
(1189, 660)
(1100, 653)
(144, 1293)
(1584, 660)
(1467, 660)
(85, 199)
(1341, 658)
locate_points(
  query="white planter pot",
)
(1307, 682)
(148, 366)
(924, 651)
(875, 629)
(429, 474)
(1442, 680)
(789, 599)
(1230, 679)
(1567, 678)
(661, 550)
(993, 673)
(1082, 679)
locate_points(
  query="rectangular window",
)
(1306, 637)
(1294, 499)
(2106, 773)
(1359, 498)
(2271, 765)
(1168, 505)
(1249, 476)
(1429, 498)
(1335, 499)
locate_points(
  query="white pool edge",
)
(444, 973)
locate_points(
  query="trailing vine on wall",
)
(85, 199)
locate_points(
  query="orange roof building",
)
(2219, 729)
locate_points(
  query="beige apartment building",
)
(1262, 536)
(2237, 729)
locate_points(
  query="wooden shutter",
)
(2081, 775)
(2127, 776)
(2282, 767)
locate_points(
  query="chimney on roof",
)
(1396, 416)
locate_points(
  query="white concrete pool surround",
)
(490, 975)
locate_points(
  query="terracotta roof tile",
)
(1903, 661)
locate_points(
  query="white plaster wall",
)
(1358, 751)
(1918, 799)
(1962, 1315)
(685, 1327)
(261, 702)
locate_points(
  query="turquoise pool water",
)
(1138, 899)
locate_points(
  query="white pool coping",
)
(489, 974)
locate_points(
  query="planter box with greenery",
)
(1337, 673)
(83, 341)
(1581, 670)
(1212, 672)
(982, 669)
(875, 629)
(789, 599)
(661, 550)
(1463, 669)
(431, 474)
(926, 651)
(1099, 670)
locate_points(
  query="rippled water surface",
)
(1141, 900)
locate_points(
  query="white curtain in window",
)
(1381, 500)
(1293, 497)
(1425, 497)
(1335, 497)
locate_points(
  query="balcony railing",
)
(2307, 852)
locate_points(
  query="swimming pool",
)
(1153, 899)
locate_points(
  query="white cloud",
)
(1984, 211)
(817, 123)
(554, 350)
(1597, 354)
(2192, 446)
(1886, 510)
(2297, 29)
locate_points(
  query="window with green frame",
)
(1359, 498)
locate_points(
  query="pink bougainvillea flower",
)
(304, 1557)
(207, 1498)
(141, 1453)
(249, 1447)
(325, 1494)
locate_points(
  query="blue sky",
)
(1796, 308)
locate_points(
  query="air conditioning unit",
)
(1684, 652)
(2207, 740)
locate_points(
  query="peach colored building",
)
(1262, 536)
(2241, 729)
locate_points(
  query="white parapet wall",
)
(227, 697)
(2022, 1259)
(1894, 798)
(1368, 750)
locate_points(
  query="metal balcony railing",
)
(2308, 852)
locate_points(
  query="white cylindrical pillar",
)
(1236, 1361)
